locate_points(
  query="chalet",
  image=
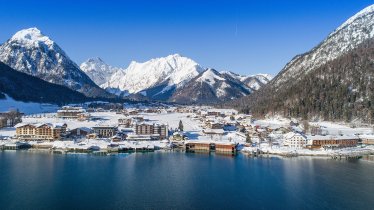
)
(126, 122)
(138, 119)
(242, 119)
(45, 131)
(178, 136)
(80, 132)
(317, 142)
(118, 137)
(213, 132)
(294, 140)
(215, 125)
(83, 116)
(282, 130)
(132, 112)
(214, 113)
(105, 131)
(316, 130)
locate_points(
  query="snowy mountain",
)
(330, 82)
(31, 52)
(24, 87)
(167, 78)
(348, 36)
(161, 74)
(211, 87)
(175, 69)
(98, 70)
(254, 82)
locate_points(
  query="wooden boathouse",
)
(211, 146)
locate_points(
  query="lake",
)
(176, 180)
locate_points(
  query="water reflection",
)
(175, 180)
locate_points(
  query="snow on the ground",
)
(26, 107)
(321, 152)
(341, 128)
(333, 128)
(278, 122)
(192, 128)
(7, 132)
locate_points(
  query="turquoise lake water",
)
(175, 180)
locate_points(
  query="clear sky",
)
(246, 37)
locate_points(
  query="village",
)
(111, 128)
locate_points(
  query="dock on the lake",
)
(211, 146)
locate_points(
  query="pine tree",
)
(180, 127)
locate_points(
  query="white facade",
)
(294, 140)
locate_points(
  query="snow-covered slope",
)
(170, 72)
(254, 82)
(98, 70)
(26, 107)
(31, 52)
(211, 86)
(349, 35)
(331, 82)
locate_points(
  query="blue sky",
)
(246, 37)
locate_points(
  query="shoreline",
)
(370, 155)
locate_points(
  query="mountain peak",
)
(210, 76)
(30, 36)
(175, 55)
(31, 52)
(352, 33)
(172, 70)
(95, 60)
(98, 70)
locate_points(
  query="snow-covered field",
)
(342, 128)
(332, 128)
(277, 122)
(27, 108)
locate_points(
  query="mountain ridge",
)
(167, 75)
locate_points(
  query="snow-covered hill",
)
(98, 70)
(172, 71)
(26, 107)
(349, 35)
(31, 52)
